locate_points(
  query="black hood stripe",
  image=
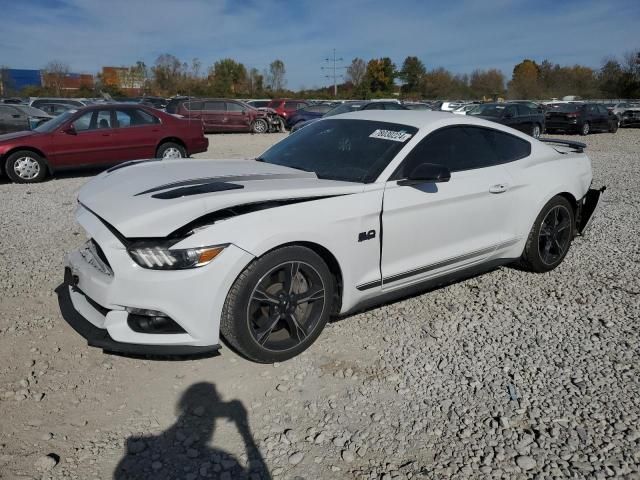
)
(228, 178)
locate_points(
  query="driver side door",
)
(434, 228)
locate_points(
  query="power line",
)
(333, 68)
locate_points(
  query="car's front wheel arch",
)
(37, 151)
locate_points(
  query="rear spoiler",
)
(578, 147)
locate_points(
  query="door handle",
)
(498, 188)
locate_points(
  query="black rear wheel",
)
(550, 236)
(278, 305)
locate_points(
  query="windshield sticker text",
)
(400, 136)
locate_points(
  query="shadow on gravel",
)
(183, 451)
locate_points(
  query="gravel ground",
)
(506, 375)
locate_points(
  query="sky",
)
(460, 35)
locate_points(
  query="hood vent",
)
(196, 190)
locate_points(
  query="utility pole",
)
(333, 68)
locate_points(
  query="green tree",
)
(228, 77)
(412, 74)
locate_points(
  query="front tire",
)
(169, 150)
(278, 305)
(259, 125)
(585, 129)
(25, 167)
(550, 236)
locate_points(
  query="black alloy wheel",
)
(286, 305)
(555, 235)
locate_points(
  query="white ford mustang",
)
(350, 211)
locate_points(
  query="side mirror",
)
(427, 173)
(70, 130)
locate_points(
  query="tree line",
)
(375, 78)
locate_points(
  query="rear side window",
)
(603, 110)
(292, 105)
(134, 117)
(214, 106)
(509, 147)
(523, 110)
(193, 106)
(463, 148)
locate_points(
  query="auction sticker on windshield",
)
(400, 136)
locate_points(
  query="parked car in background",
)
(417, 105)
(98, 135)
(55, 109)
(16, 118)
(285, 107)
(155, 102)
(450, 106)
(354, 106)
(532, 105)
(14, 100)
(174, 103)
(465, 108)
(219, 115)
(629, 114)
(74, 102)
(582, 118)
(516, 116)
(308, 113)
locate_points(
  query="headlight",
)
(160, 255)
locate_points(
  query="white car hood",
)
(155, 198)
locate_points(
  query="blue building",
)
(13, 80)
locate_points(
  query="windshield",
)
(487, 110)
(54, 123)
(347, 150)
(344, 108)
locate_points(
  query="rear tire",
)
(585, 129)
(613, 127)
(536, 130)
(25, 166)
(169, 150)
(550, 237)
(265, 317)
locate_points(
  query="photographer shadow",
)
(182, 451)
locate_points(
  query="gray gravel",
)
(506, 375)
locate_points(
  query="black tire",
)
(171, 150)
(536, 130)
(25, 166)
(256, 301)
(259, 125)
(613, 127)
(585, 129)
(546, 236)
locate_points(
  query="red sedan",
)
(98, 135)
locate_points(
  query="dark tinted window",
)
(131, 117)
(394, 106)
(565, 107)
(193, 106)
(374, 106)
(465, 148)
(234, 107)
(214, 106)
(603, 110)
(523, 110)
(508, 147)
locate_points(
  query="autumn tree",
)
(54, 74)
(486, 83)
(380, 74)
(356, 71)
(524, 82)
(412, 74)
